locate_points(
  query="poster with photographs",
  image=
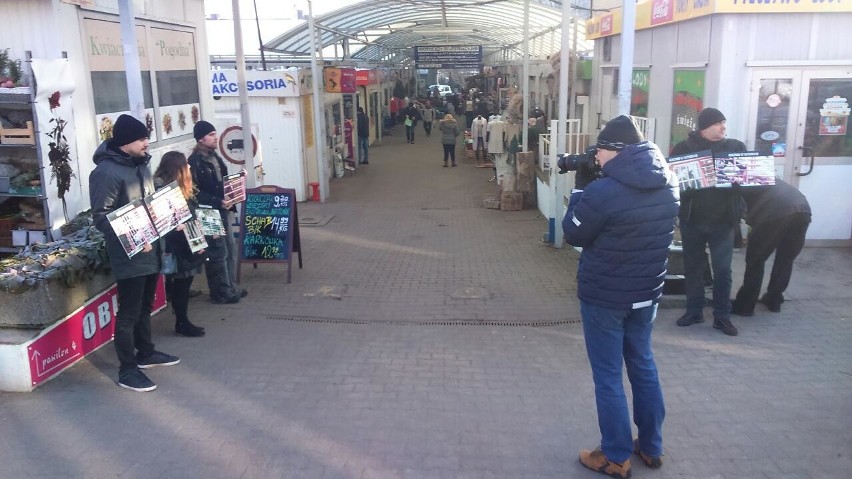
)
(694, 171)
(748, 168)
(133, 227)
(211, 221)
(194, 235)
(235, 189)
(167, 208)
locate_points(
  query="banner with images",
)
(702, 170)
(167, 208)
(235, 189)
(211, 221)
(687, 102)
(194, 233)
(639, 93)
(133, 227)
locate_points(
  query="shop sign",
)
(834, 116)
(80, 333)
(448, 56)
(258, 83)
(339, 80)
(687, 102)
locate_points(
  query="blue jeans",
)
(615, 338)
(363, 146)
(720, 238)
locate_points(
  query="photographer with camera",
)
(622, 213)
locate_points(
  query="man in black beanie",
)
(208, 170)
(708, 217)
(121, 177)
(624, 222)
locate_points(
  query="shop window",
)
(826, 123)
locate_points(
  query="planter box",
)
(48, 302)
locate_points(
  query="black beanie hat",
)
(202, 129)
(126, 130)
(618, 133)
(709, 117)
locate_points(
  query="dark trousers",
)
(179, 297)
(468, 115)
(450, 152)
(427, 125)
(409, 133)
(480, 145)
(720, 238)
(217, 268)
(133, 319)
(785, 237)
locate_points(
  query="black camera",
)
(583, 162)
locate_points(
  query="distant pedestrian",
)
(428, 115)
(779, 217)
(410, 117)
(363, 137)
(449, 133)
(624, 222)
(121, 177)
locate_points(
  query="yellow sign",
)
(652, 13)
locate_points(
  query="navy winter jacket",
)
(625, 224)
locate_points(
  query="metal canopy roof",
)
(384, 31)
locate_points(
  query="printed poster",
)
(687, 102)
(749, 168)
(694, 171)
(211, 221)
(167, 208)
(235, 189)
(133, 227)
(194, 235)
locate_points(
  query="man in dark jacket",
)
(363, 137)
(708, 217)
(625, 224)
(779, 217)
(208, 170)
(121, 177)
(410, 116)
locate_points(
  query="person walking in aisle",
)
(779, 217)
(708, 218)
(363, 137)
(449, 132)
(174, 167)
(121, 177)
(624, 222)
(208, 171)
(410, 117)
(428, 115)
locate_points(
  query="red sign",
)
(362, 77)
(347, 80)
(80, 333)
(662, 11)
(606, 24)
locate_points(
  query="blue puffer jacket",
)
(625, 224)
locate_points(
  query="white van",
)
(443, 90)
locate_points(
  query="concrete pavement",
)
(428, 337)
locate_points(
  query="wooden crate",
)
(18, 136)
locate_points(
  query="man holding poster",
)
(208, 175)
(121, 177)
(708, 217)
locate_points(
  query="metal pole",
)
(525, 84)
(319, 143)
(133, 72)
(625, 74)
(248, 143)
(259, 38)
(562, 128)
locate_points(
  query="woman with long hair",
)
(174, 167)
(449, 132)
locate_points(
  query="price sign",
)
(270, 227)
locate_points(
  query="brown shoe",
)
(654, 462)
(596, 461)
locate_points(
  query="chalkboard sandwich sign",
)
(270, 228)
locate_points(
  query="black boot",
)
(185, 328)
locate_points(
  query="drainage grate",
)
(460, 322)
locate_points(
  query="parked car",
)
(442, 90)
